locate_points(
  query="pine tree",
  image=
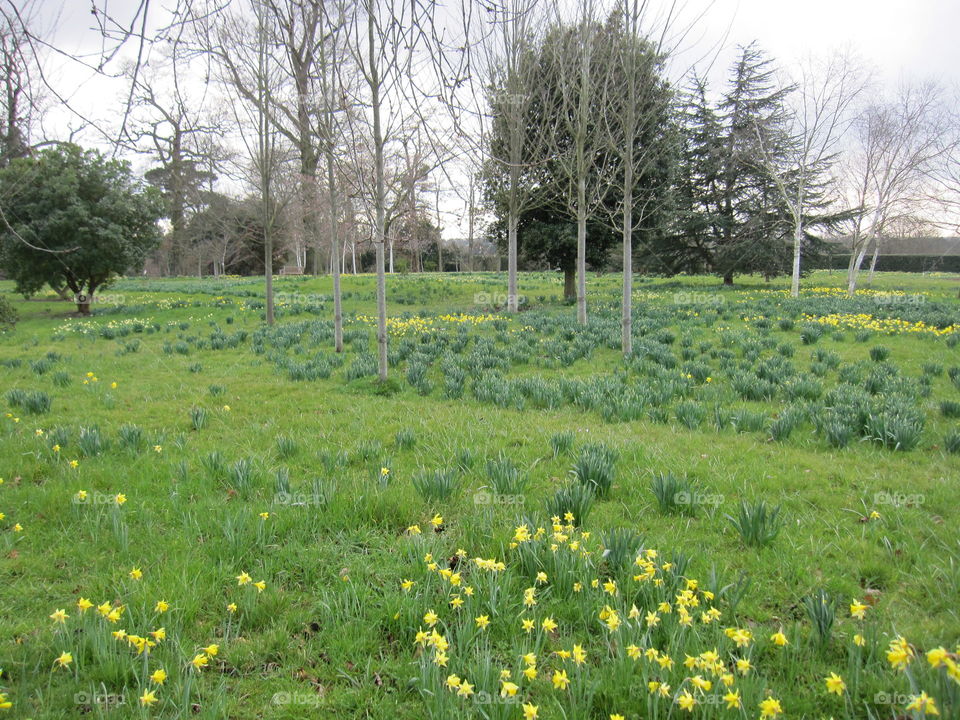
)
(754, 219)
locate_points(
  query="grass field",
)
(283, 537)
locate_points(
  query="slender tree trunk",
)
(797, 240)
(569, 283)
(513, 218)
(728, 278)
(582, 251)
(380, 201)
(334, 254)
(626, 313)
(512, 299)
(470, 212)
(854, 270)
(873, 261)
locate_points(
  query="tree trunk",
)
(582, 251)
(797, 240)
(569, 283)
(373, 81)
(334, 255)
(873, 262)
(512, 300)
(728, 278)
(470, 212)
(626, 310)
(854, 269)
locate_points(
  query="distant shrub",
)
(757, 523)
(576, 499)
(595, 467)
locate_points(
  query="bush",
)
(674, 495)
(505, 477)
(32, 402)
(950, 409)
(595, 467)
(562, 443)
(895, 427)
(690, 413)
(405, 439)
(8, 314)
(131, 437)
(91, 441)
(576, 499)
(952, 442)
(435, 485)
(822, 610)
(757, 524)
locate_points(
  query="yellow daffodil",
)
(835, 684)
(770, 708)
(923, 703)
(560, 680)
(686, 701)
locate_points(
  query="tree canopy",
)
(74, 218)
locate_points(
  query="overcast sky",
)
(915, 40)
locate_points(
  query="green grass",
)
(214, 420)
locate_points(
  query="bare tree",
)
(577, 144)
(639, 106)
(392, 44)
(253, 74)
(508, 64)
(819, 110)
(170, 122)
(885, 175)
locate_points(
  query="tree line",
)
(340, 135)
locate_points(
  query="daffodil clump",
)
(417, 325)
(560, 628)
(88, 635)
(889, 326)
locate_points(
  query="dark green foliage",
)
(87, 208)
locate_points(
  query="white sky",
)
(914, 40)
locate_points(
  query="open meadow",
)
(755, 515)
